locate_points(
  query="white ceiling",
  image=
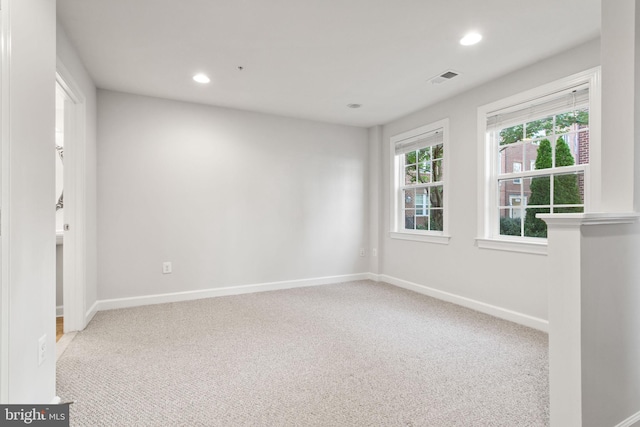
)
(310, 58)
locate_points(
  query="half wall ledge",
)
(571, 317)
(594, 218)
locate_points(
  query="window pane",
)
(530, 149)
(582, 151)
(535, 227)
(409, 219)
(438, 151)
(424, 172)
(517, 204)
(422, 202)
(582, 118)
(508, 189)
(410, 174)
(540, 153)
(526, 190)
(508, 155)
(568, 189)
(437, 171)
(566, 146)
(511, 135)
(422, 222)
(436, 220)
(509, 225)
(436, 197)
(565, 122)
(573, 148)
(537, 191)
(409, 198)
(572, 120)
(539, 128)
(410, 158)
(424, 155)
(576, 209)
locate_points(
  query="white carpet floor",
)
(351, 354)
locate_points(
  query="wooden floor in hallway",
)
(59, 328)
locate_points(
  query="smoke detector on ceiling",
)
(443, 77)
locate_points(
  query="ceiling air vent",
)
(447, 75)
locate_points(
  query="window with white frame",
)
(537, 155)
(419, 186)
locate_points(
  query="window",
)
(419, 190)
(536, 157)
(517, 167)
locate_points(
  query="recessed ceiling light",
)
(470, 39)
(354, 105)
(201, 78)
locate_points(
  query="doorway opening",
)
(70, 205)
(61, 99)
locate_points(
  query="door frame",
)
(4, 199)
(75, 239)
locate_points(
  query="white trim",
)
(63, 343)
(420, 237)
(74, 288)
(593, 218)
(90, 313)
(55, 401)
(521, 246)
(487, 222)
(5, 279)
(629, 422)
(110, 304)
(499, 312)
(502, 313)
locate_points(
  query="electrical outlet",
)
(42, 349)
(361, 251)
(374, 252)
(166, 268)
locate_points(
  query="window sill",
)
(419, 237)
(527, 247)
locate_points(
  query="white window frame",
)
(397, 231)
(488, 222)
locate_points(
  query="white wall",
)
(513, 281)
(70, 59)
(618, 75)
(28, 216)
(610, 324)
(229, 197)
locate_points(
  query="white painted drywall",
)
(229, 197)
(610, 324)
(28, 213)
(618, 77)
(513, 281)
(610, 269)
(70, 59)
(375, 153)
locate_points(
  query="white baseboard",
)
(90, 313)
(55, 401)
(59, 311)
(110, 304)
(630, 422)
(502, 313)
